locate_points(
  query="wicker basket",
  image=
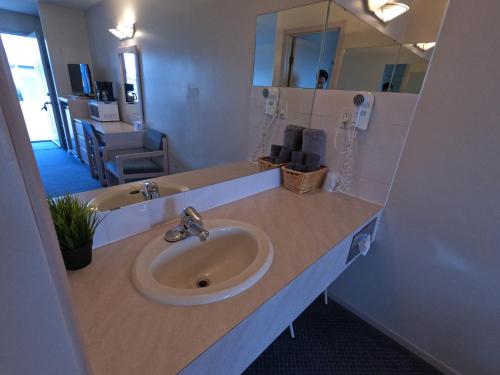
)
(302, 182)
(265, 164)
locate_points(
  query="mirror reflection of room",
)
(130, 89)
(111, 117)
(130, 72)
(92, 113)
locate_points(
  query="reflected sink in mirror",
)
(234, 257)
(124, 195)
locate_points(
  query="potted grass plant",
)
(75, 223)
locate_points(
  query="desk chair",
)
(95, 153)
(139, 163)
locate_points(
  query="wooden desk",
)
(115, 134)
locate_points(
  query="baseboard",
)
(433, 361)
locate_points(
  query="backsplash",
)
(131, 220)
(377, 150)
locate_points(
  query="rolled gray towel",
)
(312, 162)
(296, 167)
(293, 137)
(298, 157)
(300, 167)
(285, 155)
(314, 141)
(275, 150)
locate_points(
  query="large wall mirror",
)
(347, 45)
(130, 85)
(170, 117)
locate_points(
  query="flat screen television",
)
(80, 78)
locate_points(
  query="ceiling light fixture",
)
(373, 5)
(425, 46)
(386, 10)
(123, 32)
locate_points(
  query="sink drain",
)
(202, 283)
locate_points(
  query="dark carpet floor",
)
(331, 340)
(62, 173)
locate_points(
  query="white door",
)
(25, 63)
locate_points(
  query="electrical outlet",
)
(347, 115)
(361, 241)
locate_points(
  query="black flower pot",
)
(75, 259)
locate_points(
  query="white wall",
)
(424, 21)
(38, 331)
(363, 68)
(65, 32)
(433, 277)
(264, 49)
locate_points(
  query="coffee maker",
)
(104, 91)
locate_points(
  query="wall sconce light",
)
(123, 32)
(425, 46)
(386, 10)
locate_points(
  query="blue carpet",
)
(43, 145)
(63, 173)
(331, 340)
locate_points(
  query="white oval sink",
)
(189, 272)
(125, 195)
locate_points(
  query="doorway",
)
(25, 62)
(329, 54)
(303, 59)
(304, 50)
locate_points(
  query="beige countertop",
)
(194, 179)
(126, 333)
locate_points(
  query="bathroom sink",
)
(190, 272)
(125, 195)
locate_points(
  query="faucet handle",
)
(150, 186)
(192, 214)
(191, 223)
(150, 190)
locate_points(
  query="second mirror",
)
(288, 47)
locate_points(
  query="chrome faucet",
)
(191, 224)
(150, 190)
